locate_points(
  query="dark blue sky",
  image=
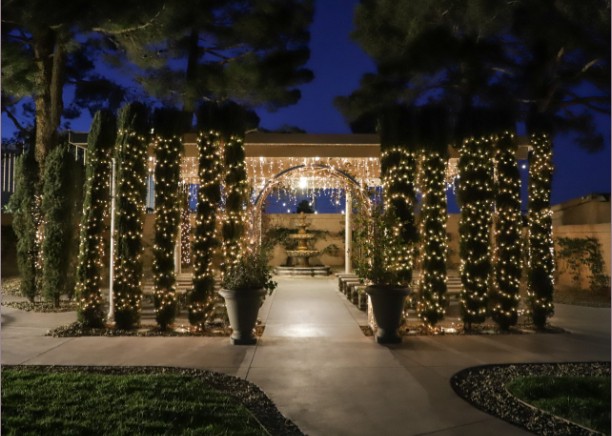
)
(338, 65)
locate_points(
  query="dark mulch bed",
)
(77, 329)
(485, 388)
(249, 395)
(42, 306)
(414, 328)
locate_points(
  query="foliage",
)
(205, 240)
(497, 55)
(304, 207)
(398, 167)
(277, 235)
(475, 195)
(432, 289)
(235, 182)
(250, 51)
(508, 225)
(541, 244)
(168, 154)
(100, 141)
(46, 49)
(251, 271)
(131, 156)
(379, 239)
(578, 252)
(24, 205)
(583, 400)
(57, 226)
(86, 403)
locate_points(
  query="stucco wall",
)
(601, 232)
(592, 209)
(331, 223)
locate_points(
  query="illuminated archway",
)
(315, 172)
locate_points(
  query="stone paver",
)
(316, 365)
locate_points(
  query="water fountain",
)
(300, 265)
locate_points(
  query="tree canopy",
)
(549, 57)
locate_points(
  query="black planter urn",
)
(387, 305)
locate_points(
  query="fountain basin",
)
(312, 271)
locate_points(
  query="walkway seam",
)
(25, 362)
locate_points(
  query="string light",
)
(205, 240)
(236, 195)
(185, 226)
(95, 210)
(476, 200)
(168, 151)
(131, 149)
(398, 170)
(432, 285)
(541, 247)
(505, 294)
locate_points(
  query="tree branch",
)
(130, 29)
(15, 121)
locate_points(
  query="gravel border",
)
(246, 393)
(485, 388)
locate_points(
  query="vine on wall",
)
(576, 253)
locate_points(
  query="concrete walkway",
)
(319, 369)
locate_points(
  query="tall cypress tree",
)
(25, 206)
(131, 155)
(57, 227)
(168, 152)
(541, 245)
(432, 286)
(235, 182)
(206, 241)
(508, 222)
(475, 196)
(398, 171)
(95, 208)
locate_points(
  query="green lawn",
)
(39, 401)
(583, 400)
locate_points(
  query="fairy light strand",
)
(95, 211)
(505, 294)
(131, 149)
(168, 150)
(476, 201)
(541, 262)
(431, 306)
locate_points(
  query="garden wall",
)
(332, 224)
(601, 232)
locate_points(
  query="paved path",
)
(322, 373)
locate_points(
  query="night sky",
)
(338, 65)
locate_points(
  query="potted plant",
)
(245, 284)
(387, 284)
